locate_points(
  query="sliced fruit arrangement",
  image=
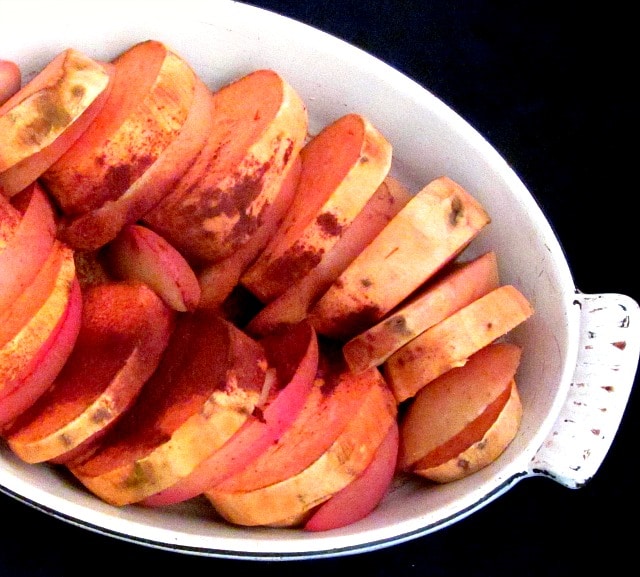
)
(200, 299)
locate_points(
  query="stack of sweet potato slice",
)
(202, 299)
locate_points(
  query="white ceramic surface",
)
(223, 40)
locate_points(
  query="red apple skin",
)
(10, 80)
(362, 495)
(140, 254)
(26, 250)
(43, 368)
(293, 354)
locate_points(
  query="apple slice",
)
(206, 387)
(124, 330)
(148, 104)
(293, 304)
(293, 355)
(10, 80)
(342, 167)
(460, 285)
(28, 245)
(96, 227)
(463, 420)
(246, 499)
(362, 495)
(219, 279)
(260, 124)
(31, 360)
(138, 253)
(18, 312)
(428, 233)
(452, 341)
(45, 117)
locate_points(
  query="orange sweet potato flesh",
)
(129, 132)
(10, 80)
(342, 167)
(260, 124)
(452, 341)
(458, 286)
(428, 233)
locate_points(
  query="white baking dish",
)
(581, 350)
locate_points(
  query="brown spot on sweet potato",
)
(329, 224)
(457, 211)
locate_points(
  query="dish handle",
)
(608, 357)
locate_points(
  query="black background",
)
(550, 86)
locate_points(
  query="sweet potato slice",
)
(207, 385)
(46, 116)
(293, 304)
(148, 104)
(362, 495)
(96, 227)
(452, 427)
(342, 167)
(260, 124)
(124, 329)
(460, 285)
(247, 500)
(428, 233)
(218, 279)
(452, 341)
(293, 357)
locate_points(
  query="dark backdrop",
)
(549, 85)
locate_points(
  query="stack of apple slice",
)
(271, 320)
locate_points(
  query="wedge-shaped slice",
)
(463, 420)
(428, 233)
(31, 360)
(288, 502)
(293, 360)
(452, 341)
(125, 327)
(47, 115)
(293, 304)
(96, 227)
(460, 285)
(206, 386)
(148, 104)
(219, 279)
(10, 80)
(362, 495)
(260, 124)
(342, 167)
(29, 232)
(138, 253)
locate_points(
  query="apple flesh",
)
(140, 254)
(456, 410)
(124, 330)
